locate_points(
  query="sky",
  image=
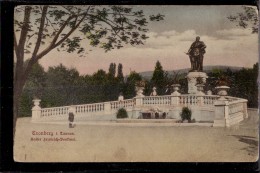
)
(170, 39)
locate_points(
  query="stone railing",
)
(224, 112)
(55, 111)
(230, 111)
(128, 103)
(156, 100)
(237, 111)
(209, 100)
(89, 108)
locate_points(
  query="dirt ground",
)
(135, 143)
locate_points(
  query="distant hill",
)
(148, 74)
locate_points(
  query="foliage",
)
(112, 70)
(242, 83)
(121, 113)
(186, 114)
(61, 86)
(129, 86)
(159, 78)
(246, 19)
(199, 80)
(120, 75)
(38, 29)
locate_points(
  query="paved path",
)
(120, 143)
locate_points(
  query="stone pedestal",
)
(221, 114)
(192, 81)
(107, 108)
(36, 110)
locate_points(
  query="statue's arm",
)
(191, 47)
(203, 45)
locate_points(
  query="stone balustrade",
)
(156, 100)
(128, 103)
(89, 108)
(237, 111)
(226, 112)
(55, 111)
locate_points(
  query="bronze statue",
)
(196, 54)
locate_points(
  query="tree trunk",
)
(18, 88)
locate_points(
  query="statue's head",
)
(197, 38)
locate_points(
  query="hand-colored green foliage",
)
(121, 113)
(246, 19)
(186, 114)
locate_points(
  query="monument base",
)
(192, 81)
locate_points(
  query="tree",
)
(158, 78)
(129, 87)
(112, 70)
(246, 19)
(62, 84)
(100, 76)
(120, 75)
(44, 28)
(34, 87)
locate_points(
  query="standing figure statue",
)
(196, 54)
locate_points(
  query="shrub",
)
(121, 113)
(185, 114)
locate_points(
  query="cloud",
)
(169, 48)
(233, 34)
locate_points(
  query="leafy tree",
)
(120, 75)
(34, 87)
(44, 28)
(246, 19)
(62, 84)
(100, 76)
(186, 114)
(245, 85)
(121, 113)
(129, 86)
(159, 78)
(112, 70)
(242, 83)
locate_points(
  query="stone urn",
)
(200, 88)
(222, 92)
(36, 102)
(176, 87)
(139, 91)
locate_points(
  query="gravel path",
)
(108, 143)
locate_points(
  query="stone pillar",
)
(138, 107)
(201, 100)
(175, 110)
(221, 114)
(107, 108)
(245, 109)
(175, 99)
(138, 101)
(36, 110)
(192, 81)
(200, 94)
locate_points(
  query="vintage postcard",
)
(135, 83)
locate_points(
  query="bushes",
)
(185, 114)
(121, 113)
